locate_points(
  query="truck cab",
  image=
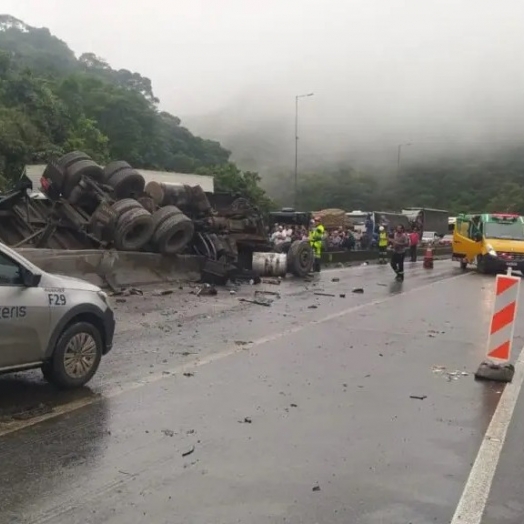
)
(491, 242)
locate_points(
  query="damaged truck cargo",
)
(87, 206)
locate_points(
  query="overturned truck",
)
(87, 206)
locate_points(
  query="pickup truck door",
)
(24, 317)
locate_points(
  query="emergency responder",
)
(316, 240)
(400, 244)
(382, 245)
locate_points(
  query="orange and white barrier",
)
(502, 326)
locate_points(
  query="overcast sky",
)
(381, 70)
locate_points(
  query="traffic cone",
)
(428, 258)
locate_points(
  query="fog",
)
(444, 75)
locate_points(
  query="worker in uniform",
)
(316, 240)
(382, 245)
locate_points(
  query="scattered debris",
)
(336, 279)
(312, 306)
(274, 281)
(294, 405)
(168, 432)
(189, 374)
(417, 397)
(241, 343)
(162, 292)
(497, 372)
(451, 375)
(318, 293)
(247, 420)
(316, 488)
(232, 292)
(383, 285)
(121, 300)
(258, 302)
(272, 293)
(342, 295)
(358, 290)
(189, 452)
(206, 290)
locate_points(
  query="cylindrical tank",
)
(270, 264)
(165, 194)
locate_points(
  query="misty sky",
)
(383, 71)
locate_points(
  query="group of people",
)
(398, 242)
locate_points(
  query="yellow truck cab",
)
(491, 242)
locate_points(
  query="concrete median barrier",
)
(354, 257)
(120, 269)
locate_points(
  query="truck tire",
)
(174, 234)
(115, 167)
(282, 247)
(70, 158)
(123, 206)
(133, 230)
(127, 183)
(147, 203)
(300, 258)
(76, 171)
(76, 356)
(162, 214)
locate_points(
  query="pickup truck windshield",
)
(504, 230)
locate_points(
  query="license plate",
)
(511, 264)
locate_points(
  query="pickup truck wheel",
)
(76, 356)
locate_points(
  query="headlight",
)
(491, 251)
(102, 295)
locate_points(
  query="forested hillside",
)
(51, 102)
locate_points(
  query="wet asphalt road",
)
(211, 410)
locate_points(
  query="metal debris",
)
(318, 293)
(168, 432)
(258, 302)
(189, 452)
(358, 290)
(417, 397)
(247, 420)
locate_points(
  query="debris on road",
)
(121, 300)
(247, 420)
(496, 372)
(312, 306)
(342, 295)
(417, 397)
(188, 374)
(168, 432)
(258, 302)
(162, 292)
(316, 488)
(273, 281)
(450, 375)
(336, 279)
(206, 290)
(358, 290)
(318, 293)
(189, 452)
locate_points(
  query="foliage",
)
(51, 103)
(481, 183)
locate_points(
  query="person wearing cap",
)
(316, 240)
(399, 243)
(382, 245)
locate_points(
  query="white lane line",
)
(473, 501)
(115, 391)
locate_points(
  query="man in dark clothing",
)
(400, 244)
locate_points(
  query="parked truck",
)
(429, 220)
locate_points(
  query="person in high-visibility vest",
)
(316, 240)
(382, 245)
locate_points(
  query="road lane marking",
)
(472, 503)
(115, 391)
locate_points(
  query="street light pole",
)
(399, 155)
(296, 146)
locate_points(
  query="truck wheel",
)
(74, 173)
(76, 356)
(300, 258)
(134, 229)
(174, 235)
(115, 167)
(162, 214)
(127, 183)
(70, 158)
(125, 205)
